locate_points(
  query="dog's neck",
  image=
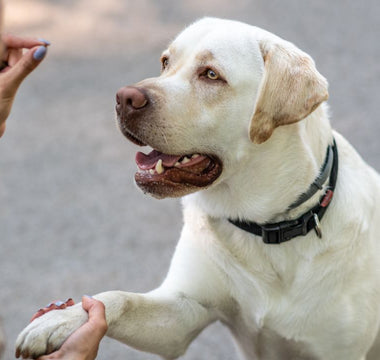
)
(266, 183)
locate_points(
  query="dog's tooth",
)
(159, 168)
(177, 164)
(151, 172)
(195, 156)
(185, 160)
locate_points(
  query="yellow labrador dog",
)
(280, 241)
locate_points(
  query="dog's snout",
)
(130, 98)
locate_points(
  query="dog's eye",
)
(212, 75)
(164, 62)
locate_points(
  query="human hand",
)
(15, 66)
(83, 344)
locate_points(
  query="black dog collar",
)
(280, 232)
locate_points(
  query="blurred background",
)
(72, 221)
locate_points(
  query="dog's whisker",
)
(164, 137)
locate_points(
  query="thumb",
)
(96, 315)
(28, 62)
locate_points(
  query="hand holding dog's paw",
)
(48, 332)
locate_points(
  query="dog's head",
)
(224, 88)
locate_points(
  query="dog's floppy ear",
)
(290, 90)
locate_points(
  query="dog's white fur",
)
(309, 298)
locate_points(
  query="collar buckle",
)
(286, 230)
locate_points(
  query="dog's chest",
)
(267, 344)
(269, 317)
(266, 326)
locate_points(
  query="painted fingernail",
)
(59, 303)
(44, 41)
(40, 53)
(88, 296)
(48, 305)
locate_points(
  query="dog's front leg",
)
(160, 322)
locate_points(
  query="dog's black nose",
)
(130, 98)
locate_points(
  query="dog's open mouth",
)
(165, 175)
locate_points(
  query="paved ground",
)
(71, 220)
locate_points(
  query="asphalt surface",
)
(71, 220)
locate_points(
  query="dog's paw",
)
(48, 332)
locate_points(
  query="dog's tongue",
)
(146, 162)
